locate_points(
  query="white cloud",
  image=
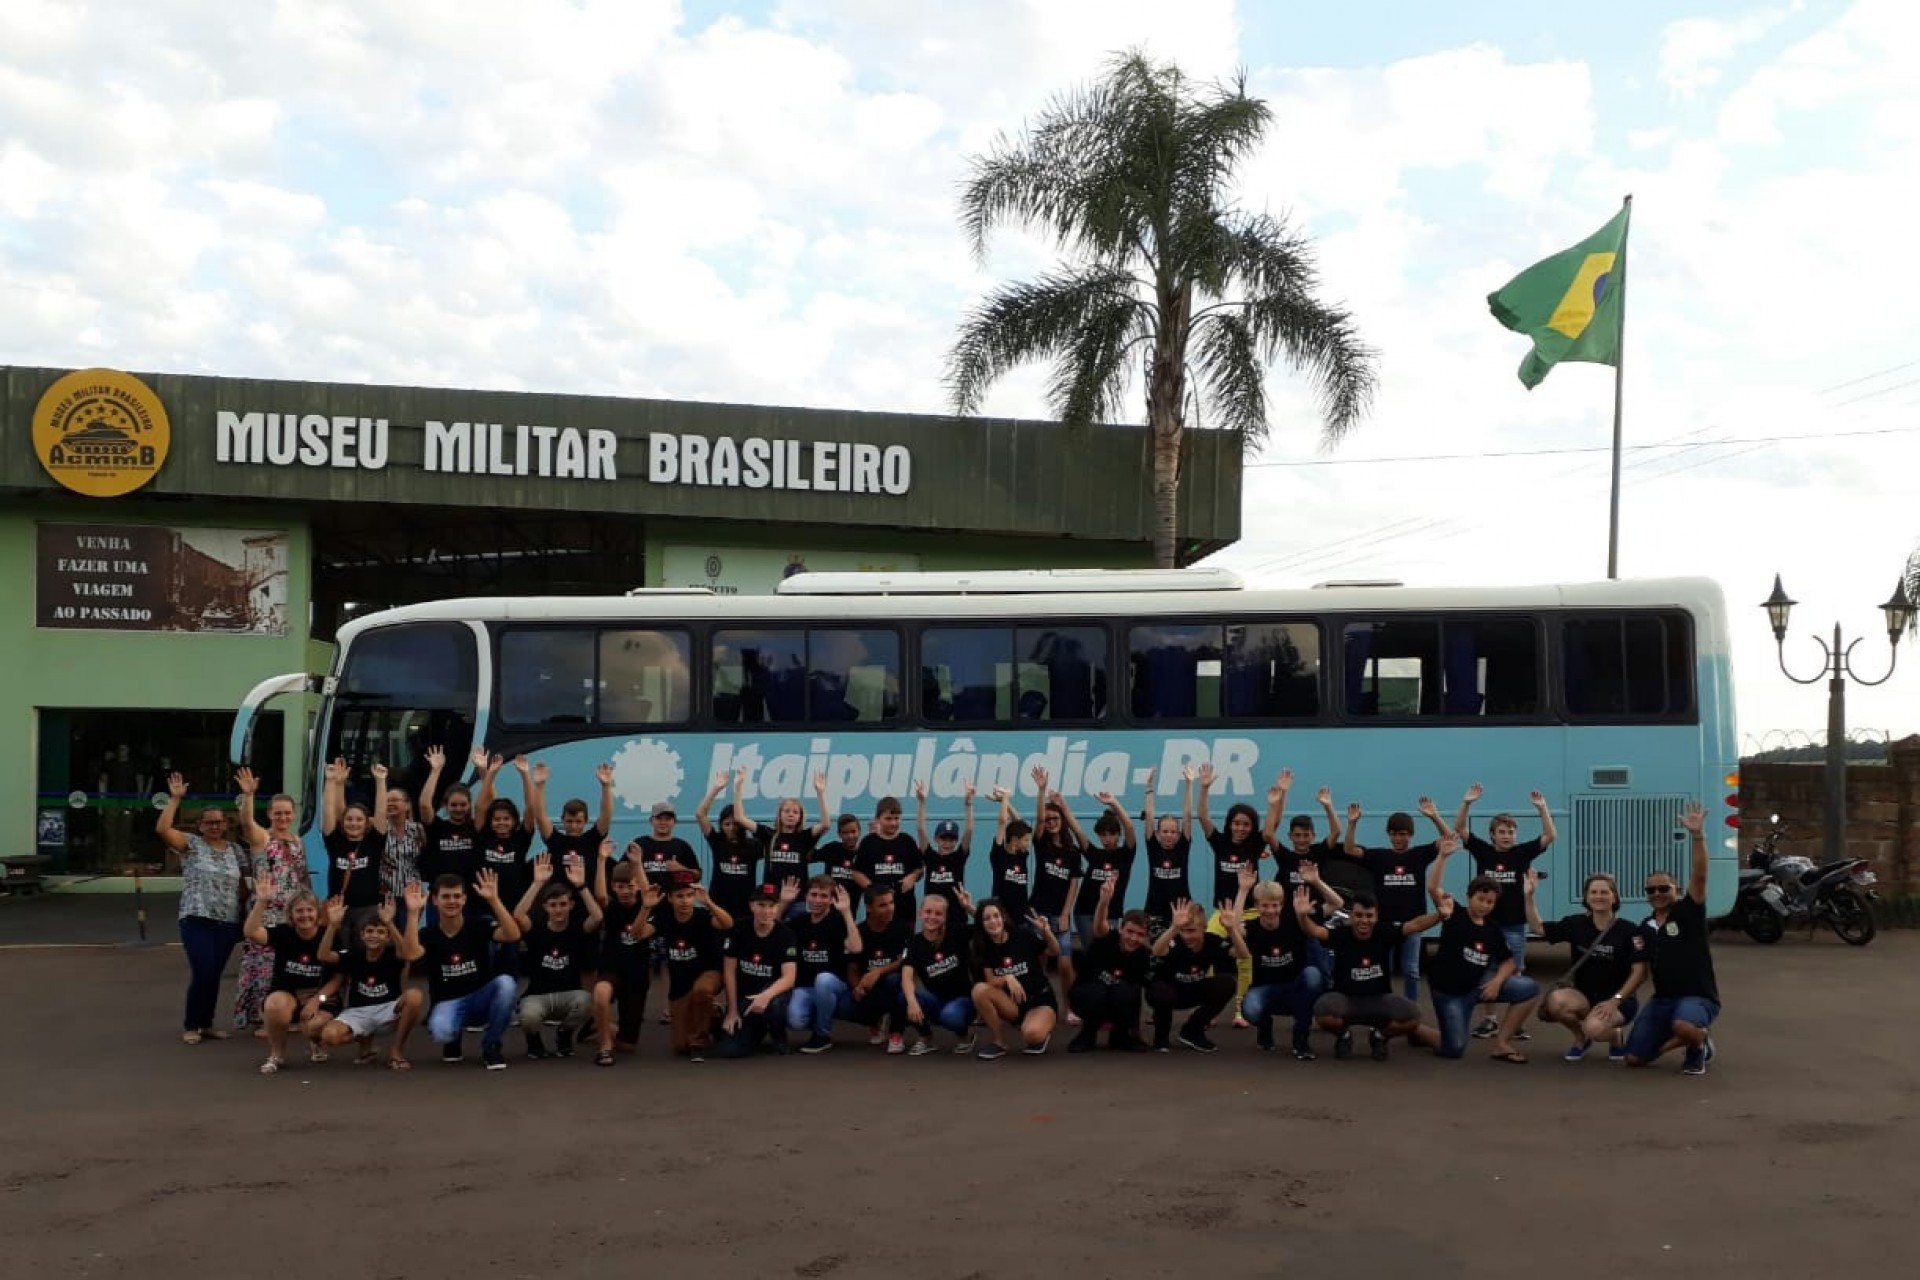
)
(1694, 51)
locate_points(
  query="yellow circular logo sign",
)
(101, 432)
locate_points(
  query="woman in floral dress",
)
(279, 859)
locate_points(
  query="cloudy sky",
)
(756, 203)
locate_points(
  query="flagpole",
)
(1619, 380)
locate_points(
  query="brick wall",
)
(1883, 811)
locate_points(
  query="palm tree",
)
(1163, 279)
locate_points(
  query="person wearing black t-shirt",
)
(1603, 960)
(690, 926)
(560, 953)
(734, 843)
(874, 996)
(1196, 971)
(1284, 976)
(464, 984)
(840, 857)
(1399, 877)
(1057, 873)
(572, 837)
(1673, 945)
(505, 837)
(944, 857)
(1472, 964)
(789, 842)
(936, 983)
(627, 902)
(1013, 986)
(761, 966)
(1303, 845)
(1169, 846)
(1504, 858)
(1109, 860)
(664, 856)
(1011, 858)
(1113, 977)
(1235, 847)
(293, 998)
(889, 858)
(355, 837)
(1361, 993)
(450, 844)
(372, 981)
(825, 935)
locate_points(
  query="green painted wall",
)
(127, 670)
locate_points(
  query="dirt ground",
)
(128, 1154)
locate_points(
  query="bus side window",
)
(1175, 670)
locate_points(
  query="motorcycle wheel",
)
(1851, 917)
(1762, 923)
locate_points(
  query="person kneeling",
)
(464, 984)
(1363, 996)
(1113, 976)
(1197, 971)
(558, 953)
(1284, 977)
(760, 967)
(1472, 966)
(1014, 986)
(374, 982)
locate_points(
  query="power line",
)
(1597, 448)
(1868, 377)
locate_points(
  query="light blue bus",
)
(1615, 699)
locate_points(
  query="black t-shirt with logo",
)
(1186, 967)
(296, 960)
(1107, 962)
(556, 957)
(620, 952)
(757, 958)
(1167, 876)
(1012, 880)
(1055, 868)
(821, 946)
(1466, 954)
(1104, 864)
(839, 860)
(372, 980)
(882, 947)
(353, 867)
(506, 857)
(460, 964)
(1400, 879)
(1676, 953)
(692, 947)
(888, 860)
(1363, 967)
(657, 857)
(450, 848)
(1610, 953)
(942, 967)
(736, 868)
(1507, 870)
(1280, 953)
(1229, 858)
(945, 871)
(586, 845)
(788, 854)
(1023, 957)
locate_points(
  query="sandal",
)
(314, 1052)
(604, 1058)
(1512, 1055)
(272, 1066)
(189, 1037)
(399, 1064)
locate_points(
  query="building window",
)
(645, 677)
(792, 677)
(1013, 675)
(1458, 667)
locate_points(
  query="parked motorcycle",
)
(1778, 890)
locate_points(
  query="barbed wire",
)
(1752, 744)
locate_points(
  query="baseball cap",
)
(683, 879)
(765, 893)
(948, 830)
(664, 807)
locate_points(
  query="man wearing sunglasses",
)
(1671, 948)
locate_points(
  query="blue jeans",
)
(208, 944)
(1654, 1026)
(882, 999)
(756, 1027)
(956, 1015)
(1261, 1002)
(812, 1008)
(1322, 959)
(492, 1006)
(1410, 968)
(1516, 936)
(1455, 1012)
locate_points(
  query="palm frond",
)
(1091, 377)
(1233, 376)
(1321, 341)
(1037, 320)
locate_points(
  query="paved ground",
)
(127, 1154)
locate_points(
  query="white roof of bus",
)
(1700, 597)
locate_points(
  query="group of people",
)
(760, 947)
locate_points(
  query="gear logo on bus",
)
(645, 772)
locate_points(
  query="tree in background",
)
(1163, 279)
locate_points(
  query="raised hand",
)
(841, 902)
(998, 795)
(1536, 799)
(523, 765)
(1040, 777)
(416, 895)
(1180, 909)
(1106, 890)
(967, 791)
(919, 789)
(437, 757)
(576, 871)
(820, 781)
(1694, 819)
(336, 770)
(1106, 799)
(1041, 923)
(1428, 807)
(1325, 796)
(387, 910)
(1302, 900)
(965, 899)
(244, 779)
(606, 850)
(540, 773)
(789, 890)
(379, 772)
(1153, 771)
(603, 773)
(1449, 845)
(1310, 871)
(1206, 774)
(1473, 793)
(336, 912)
(718, 785)
(650, 894)
(1248, 877)
(1354, 813)
(739, 780)
(176, 785)
(481, 760)
(1530, 883)
(542, 868)
(486, 883)
(263, 887)
(1189, 773)
(1285, 780)
(1443, 903)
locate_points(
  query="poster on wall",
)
(115, 577)
(757, 571)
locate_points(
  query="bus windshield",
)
(404, 689)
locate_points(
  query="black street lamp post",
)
(1837, 667)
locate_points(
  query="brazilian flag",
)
(1570, 304)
